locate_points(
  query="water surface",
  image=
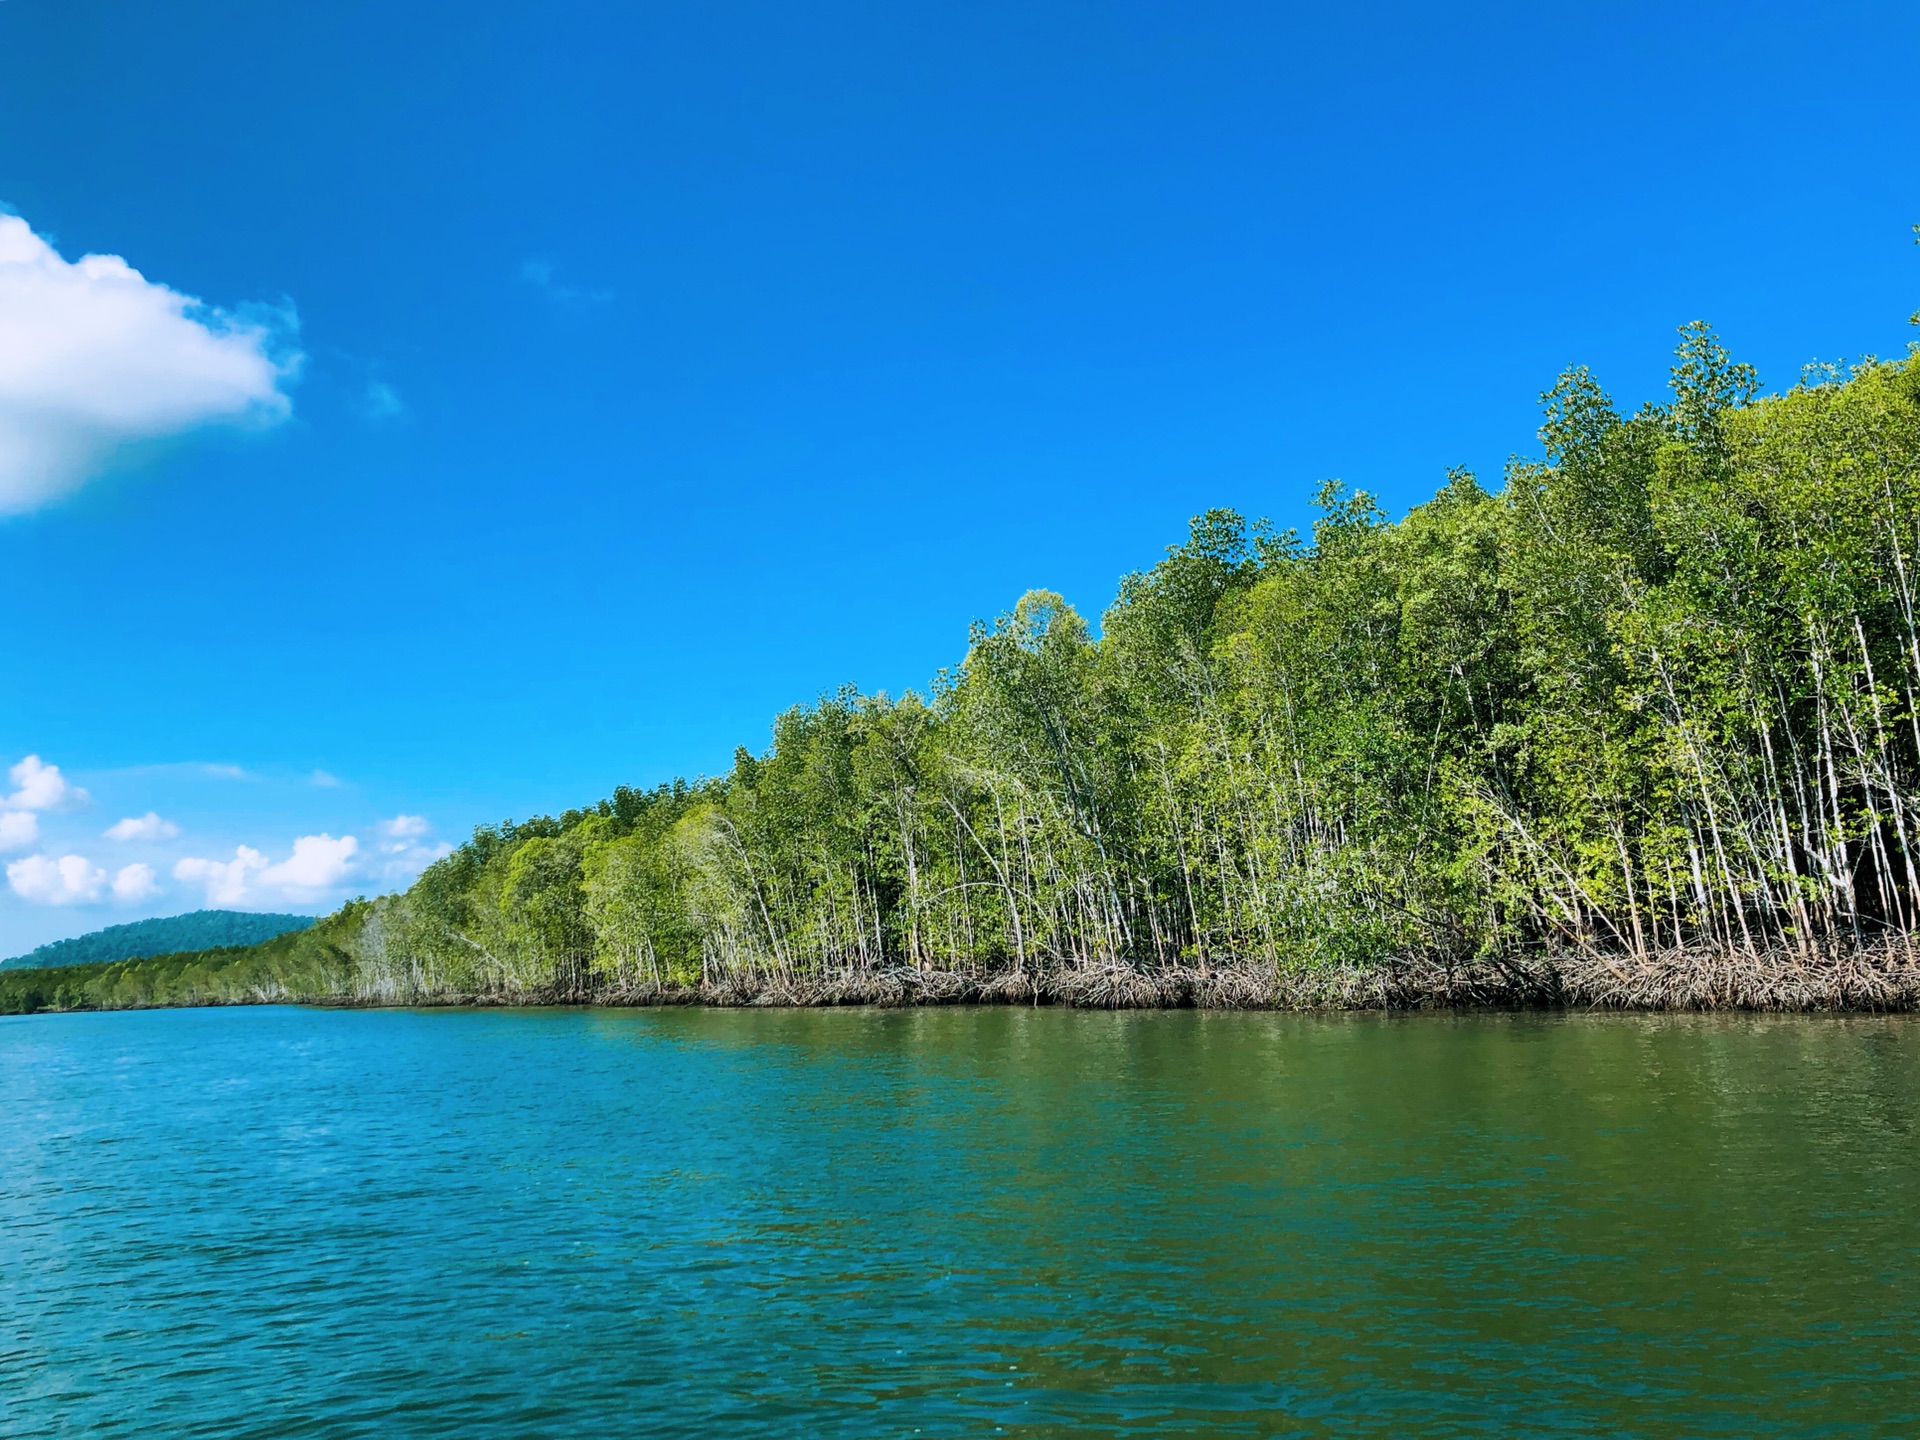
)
(957, 1222)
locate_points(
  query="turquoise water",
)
(969, 1222)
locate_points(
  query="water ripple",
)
(1032, 1223)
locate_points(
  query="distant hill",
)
(200, 930)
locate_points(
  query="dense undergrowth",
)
(1649, 709)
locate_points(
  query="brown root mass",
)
(1884, 977)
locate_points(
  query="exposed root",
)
(1884, 976)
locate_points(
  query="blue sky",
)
(577, 385)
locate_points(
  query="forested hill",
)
(1650, 706)
(199, 930)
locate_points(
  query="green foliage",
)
(1662, 690)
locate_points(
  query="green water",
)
(970, 1222)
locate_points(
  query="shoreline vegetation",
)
(1640, 728)
(1883, 979)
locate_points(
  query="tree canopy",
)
(1659, 691)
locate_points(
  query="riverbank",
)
(1884, 977)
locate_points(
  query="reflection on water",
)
(957, 1222)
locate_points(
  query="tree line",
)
(1656, 695)
(1659, 691)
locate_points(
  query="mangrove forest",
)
(1639, 725)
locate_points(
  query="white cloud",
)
(318, 864)
(405, 855)
(226, 881)
(405, 827)
(18, 829)
(543, 277)
(325, 780)
(134, 883)
(38, 785)
(405, 860)
(142, 827)
(381, 402)
(70, 880)
(93, 355)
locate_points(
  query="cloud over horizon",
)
(43, 880)
(318, 864)
(76, 880)
(134, 883)
(60, 866)
(18, 829)
(37, 786)
(141, 827)
(94, 356)
(40, 786)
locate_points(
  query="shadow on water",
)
(958, 1221)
